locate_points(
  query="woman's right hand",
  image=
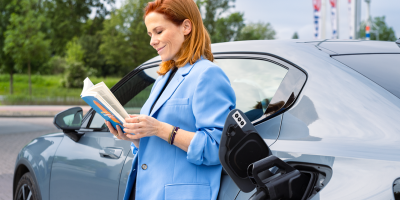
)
(119, 134)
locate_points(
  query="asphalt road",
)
(15, 133)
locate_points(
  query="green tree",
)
(257, 31)
(379, 29)
(24, 40)
(70, 18)
(56, 65)
(125, 43)
(92, 58)
(295, 36)
(6, 61)
(222, 25)
(75, 71)
(74, 51)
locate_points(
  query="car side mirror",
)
(70, 121)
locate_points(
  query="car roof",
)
(282, 47)
(276, 47)
(346, 47)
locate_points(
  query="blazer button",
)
(144, 166)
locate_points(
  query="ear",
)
(187, 26)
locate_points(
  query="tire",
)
(27, 188)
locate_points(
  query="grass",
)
(46, 90)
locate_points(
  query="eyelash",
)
(157, 33)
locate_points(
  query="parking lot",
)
(15, 133)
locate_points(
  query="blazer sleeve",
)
(213, 99)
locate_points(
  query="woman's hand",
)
(119, 134)
(138, 126)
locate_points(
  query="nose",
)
(153, 41)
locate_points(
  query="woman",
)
(176, 136)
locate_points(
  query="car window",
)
(97, 122)
(132, 94)
(254, 82)
(133, 105)
(383, 69)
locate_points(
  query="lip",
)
(159, 49)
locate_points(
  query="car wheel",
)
(26, 188)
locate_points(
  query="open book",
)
(103, 101)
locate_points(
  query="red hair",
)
(197, 43)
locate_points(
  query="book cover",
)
(102, 110)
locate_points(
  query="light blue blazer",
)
(197, 99)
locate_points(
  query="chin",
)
(165, 58)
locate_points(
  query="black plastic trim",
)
(133, 73)
(396, 194)
(324, 173)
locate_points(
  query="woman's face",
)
(166, 37)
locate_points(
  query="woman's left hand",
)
(142, 126)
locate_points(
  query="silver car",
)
(329, 109)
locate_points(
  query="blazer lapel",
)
(171, 87)
(153, 95)
(173, 84)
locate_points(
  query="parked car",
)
(328, 108)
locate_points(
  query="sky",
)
(290, 16)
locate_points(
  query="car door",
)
(91, 167)
(264, 87)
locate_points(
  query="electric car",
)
(329, 110)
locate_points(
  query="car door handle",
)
(110, 152)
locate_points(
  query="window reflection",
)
(255, 83)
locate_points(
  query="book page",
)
(87, 84)
(110, 98)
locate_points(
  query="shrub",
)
(74, 75)
(56, 65)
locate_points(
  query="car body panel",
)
(79, 167)
(333, 97)
(269, 130)
(38, 157)
(346, 116)
(124, 175)
(228, 190)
